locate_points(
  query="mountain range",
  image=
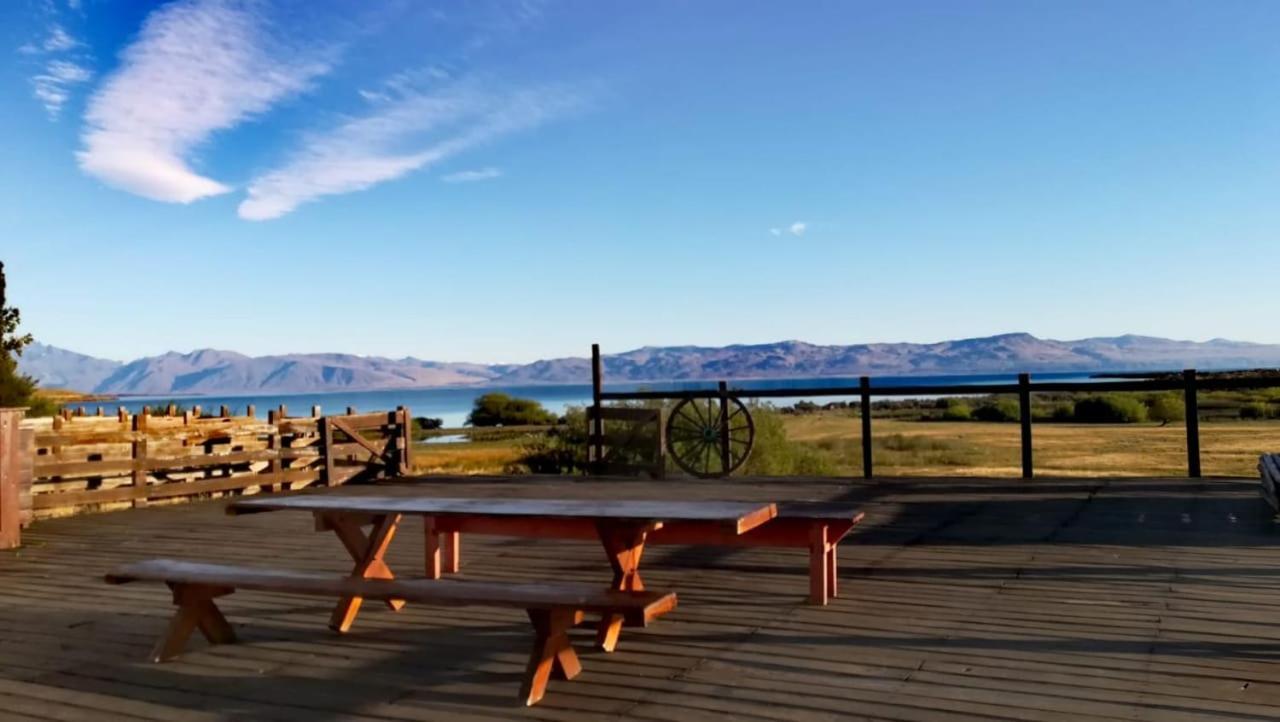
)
(210, 371)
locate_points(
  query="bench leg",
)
(368, 552)
(624, 545)
(552, 652)
(819, 565)
(196, 610)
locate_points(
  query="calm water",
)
(452, 405)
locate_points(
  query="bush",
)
(956, 410)
(773, 454)
(427, 423)
(1166, 408)
(999, 410)
(1110, 409)
(498, 409)
(1255, 410)
(562, 450)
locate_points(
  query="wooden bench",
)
(1269, 468)
(553, 608)
(816, 526)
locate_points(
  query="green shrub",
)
(773, 454)
(499, 409)
(998, 410)
(956, 410)
(1166, 408)
(1255, 410)
(1110, 409)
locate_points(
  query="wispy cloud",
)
(406, 131)
(58, 40)
(52, 86)
(197, 67)
(468, 176)
(796, 229)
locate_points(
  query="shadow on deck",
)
(1110, 598)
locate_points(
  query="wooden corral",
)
(96, 462)
(1098, 599)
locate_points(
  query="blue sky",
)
(506, 181)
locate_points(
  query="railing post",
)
(864, 404)
(725, 461)
(1193, 422)
(596, 426)
(1024, 418)
(11, 473)
(326, 450)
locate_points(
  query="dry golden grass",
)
(477, 457)
(992, 449)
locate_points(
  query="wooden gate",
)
(364, 447)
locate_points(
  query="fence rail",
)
(77, 461)
(1190, 384)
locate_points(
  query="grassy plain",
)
(969, 448)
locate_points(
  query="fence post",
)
(11, 468)
(406, 440)
(864, 404)
(723, 389)
(138, 452)
(596, 426)
(1193, 422)
(1024, 418)
(326, 450)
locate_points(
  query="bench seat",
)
(816, 526)
(553, 608)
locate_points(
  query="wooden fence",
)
(79, 462)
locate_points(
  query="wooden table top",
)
(738, 516)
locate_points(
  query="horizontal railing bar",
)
(950, 390)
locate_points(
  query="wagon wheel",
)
(694, 431)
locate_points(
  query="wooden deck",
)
(1148, 599)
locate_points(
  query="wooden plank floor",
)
(1134, 599)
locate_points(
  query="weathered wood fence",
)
(74, 463)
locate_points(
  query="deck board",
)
(1124, 599)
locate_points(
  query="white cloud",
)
(197, 67)
(408, 131)
(58, 40)
(796, 229)
(468, 176)
(52, 86)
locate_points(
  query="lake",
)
(453, 404)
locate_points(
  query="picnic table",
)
(621, 526)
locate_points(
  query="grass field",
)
(910, 448)
(923, 448)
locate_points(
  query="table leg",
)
(819, 565)
(624, 545)
(367, 551)
(832, 572)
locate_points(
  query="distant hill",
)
(210, 371)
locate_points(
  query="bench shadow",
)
(470, 667)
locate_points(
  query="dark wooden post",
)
(251, 411)
(723, 389)
(1193, 422)
(224, 411)
(864, 404)
(326, 451)
(11, 467)
(1024, 418)
(138, 452)
(406, 440)
(596, 427)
